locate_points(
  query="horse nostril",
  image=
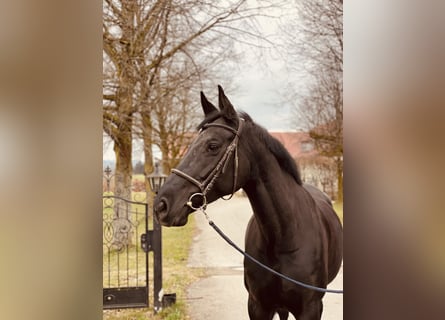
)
(161, 206)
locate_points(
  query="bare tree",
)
(175, 105)
(144, 42)
(172, 115)
(319, 105)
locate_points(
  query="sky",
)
(261, 81)
(260, 94)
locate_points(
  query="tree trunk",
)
(123, 150)
(148, 154)
(122, 225)
(166, 154)
(339, 164)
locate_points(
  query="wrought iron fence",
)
(125, 262)
(127, 241)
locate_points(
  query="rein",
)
(220, 167)
(248, 256)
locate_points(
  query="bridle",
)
(206, 185)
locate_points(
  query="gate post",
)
(157, 265)
(156, 179)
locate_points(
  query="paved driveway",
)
(222, 295)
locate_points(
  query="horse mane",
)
(209, 118)
(276, 148)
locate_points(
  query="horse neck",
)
(280, 205)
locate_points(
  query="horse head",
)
(213, 166)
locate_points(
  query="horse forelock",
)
(209, 118)
(215, 115)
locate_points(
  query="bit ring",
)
(204, 201)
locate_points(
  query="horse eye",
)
(212, 147)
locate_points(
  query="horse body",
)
(294, 229)
(291, 231)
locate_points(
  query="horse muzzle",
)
(167, 216)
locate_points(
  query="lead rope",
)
(245, 254)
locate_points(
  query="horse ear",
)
(207, 106)
(225, 105)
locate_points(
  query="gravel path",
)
(222, 295)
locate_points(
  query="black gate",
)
(127, 240)
(125, 262)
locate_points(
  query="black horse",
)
(294, 229)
